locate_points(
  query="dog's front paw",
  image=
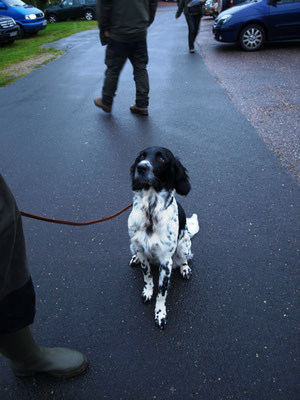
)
(160, 318)
(134, 261)
(147, 293)
(185, 271)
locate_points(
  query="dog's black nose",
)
(142, 168)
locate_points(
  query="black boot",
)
(27, 358)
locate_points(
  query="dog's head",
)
(158, 168)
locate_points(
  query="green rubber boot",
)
(27, 358)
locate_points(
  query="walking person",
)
(192, 10)
(123, 27)
(17, 304)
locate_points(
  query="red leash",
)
(58, 221)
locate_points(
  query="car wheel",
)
(252, 37)
(52, 18)
(21, 32)
(89, 15)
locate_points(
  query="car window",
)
(67, 3)
(78, 2)
(285, 1)
(15, 3)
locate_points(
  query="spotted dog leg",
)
(134, 261)
(185, 271)
(147, 292)
(163, 286)
(183, 254)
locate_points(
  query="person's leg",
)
(191, 29)
(17, 296)
(116, 55)
(17, 304)
(193, 22)
(139, 61)
(197, 20)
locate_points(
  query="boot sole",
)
(71, 374)
(145, 113)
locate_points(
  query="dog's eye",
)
(142, 157)
(160, 159)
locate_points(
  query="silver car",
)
(210, 8)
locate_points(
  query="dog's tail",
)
(192, 225)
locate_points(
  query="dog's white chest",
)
(153, 225)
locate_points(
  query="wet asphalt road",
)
(232, 329)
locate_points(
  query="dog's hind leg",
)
(163, 286)
(185, 271)
(183, 254)
(192, 225)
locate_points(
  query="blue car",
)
(30, 20)
(256, 21)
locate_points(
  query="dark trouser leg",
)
(193, 22)
(139, 61)
(116, 55)
(17, 298)
(197, 25)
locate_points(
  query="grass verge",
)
(29, 48)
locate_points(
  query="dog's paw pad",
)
(185, 271)
(147, 294)
(161, 319)
(161, 323)
(134, 261)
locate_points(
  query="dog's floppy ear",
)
(182, 182)
(133, 167)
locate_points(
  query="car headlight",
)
(30, 16)
(223, 19)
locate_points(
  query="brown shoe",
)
(139, 110)
(192, 51)
(104, 107)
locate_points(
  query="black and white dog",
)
(159, 231)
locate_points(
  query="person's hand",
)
(103, 38)
(106, 34)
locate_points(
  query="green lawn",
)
(30, 46)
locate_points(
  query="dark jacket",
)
(183, 6)
(125, 20)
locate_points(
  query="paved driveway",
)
(232, 329)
